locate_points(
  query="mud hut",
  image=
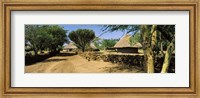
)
(124, 46)
(123, 42)
(92, 47)
(70, 47)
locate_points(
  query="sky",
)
(97, 29)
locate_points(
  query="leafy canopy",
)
(82, 37)
(166, 33)
(41, 37)
(104, 43)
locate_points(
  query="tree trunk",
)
(83, 49)
(167, 59)
(148, 45)
(35, 52)
(153, 36)
(144, 37)
(150, 61)
(161, 48)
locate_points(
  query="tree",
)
(102, 44)
(151, 35)
(37, 37)
(168, 56)
(82, 37)
(148, 41)
(168, 32)
(107, 43)
(41, 37)
(59, 37)
(135, 38)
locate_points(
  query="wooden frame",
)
(10, 6)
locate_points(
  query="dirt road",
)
(74, 64)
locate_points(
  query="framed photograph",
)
(100, 48)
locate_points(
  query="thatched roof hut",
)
(123, 42)
(93, 46)
(138, 45)
(124, 45)
(70, 47)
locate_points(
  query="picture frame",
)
(192, 7)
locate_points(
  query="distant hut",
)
(124, 46)
(137, 45)
(93, 47)
(70, 47)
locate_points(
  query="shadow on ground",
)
(53, 60)
(30, 59)
(123, 69)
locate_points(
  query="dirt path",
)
(74, 64)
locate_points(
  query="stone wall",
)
(31, 59)
(128, 60)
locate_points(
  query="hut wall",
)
(70, 50)
(127, 50)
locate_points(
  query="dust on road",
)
(74, 64)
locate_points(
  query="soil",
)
(77, 64)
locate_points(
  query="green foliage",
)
(97, 42)
(107, 43)
(135, 38)
(82, 37)
(152, 41)
(165, 33)
(102, 44)
(126, 28)
(41, 37)
(59, 37)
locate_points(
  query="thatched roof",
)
(138, 45)
(93, 46)
(71, 45)
(123, 42)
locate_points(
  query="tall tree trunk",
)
(161, 48)
(150, 61)
(148, 45)
(168, 55)
(161, 45)
(153, 36)
(144, 37)
(145, 61)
